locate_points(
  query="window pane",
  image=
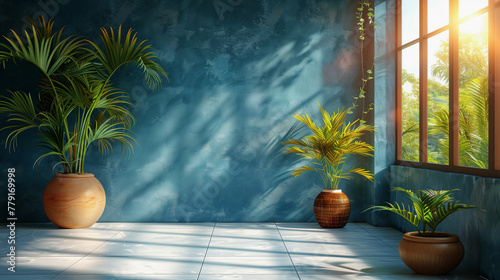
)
(467, 7)
(473, 98)
(409, 22)
(438, 14)
(409, 100)
(437, 101)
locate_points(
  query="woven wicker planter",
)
(434, 255)
(332, 209)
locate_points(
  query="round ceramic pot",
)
(74, 200)
(435, 255)
(332, 209)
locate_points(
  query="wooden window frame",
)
(493, 11)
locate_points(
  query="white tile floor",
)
(207, 251)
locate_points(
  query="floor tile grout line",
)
(286, 248)
(206, 252)
(387, 244)
(79, 260)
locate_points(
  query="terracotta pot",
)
(74, 200)
(332, 209)
(436, 255)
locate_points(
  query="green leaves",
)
(363, 11)
(329, 145)
(400, 210)
(364, 5)
(106, 132)
(303, 169)
(430, 208)
(118, 53)
(42, 48)
(78, 103)
(21, 112)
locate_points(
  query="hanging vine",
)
(365, 16)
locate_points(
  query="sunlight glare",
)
(474, 25)
(438, 14)
(467, 7)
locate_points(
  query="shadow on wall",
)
(209, 140)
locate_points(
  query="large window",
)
(448, 107)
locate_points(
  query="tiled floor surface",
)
(207, 251)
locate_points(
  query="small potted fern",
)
(427, 251)
(327, 148)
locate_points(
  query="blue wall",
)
(208, 140)
(479, 236)
(384, 107)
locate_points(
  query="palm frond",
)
(299, 171)
(400, 210)
(38, 45)
(20, 103)
(363, 172)
(443, 211)
(309, 123)
(430, 208)
(118, 53)
(21, 111)
(328, 146)
(106, 132)
(78, 104)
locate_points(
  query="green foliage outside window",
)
(473, 105)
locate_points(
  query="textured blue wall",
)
(479, 236)
(208, 139)
(384, 107)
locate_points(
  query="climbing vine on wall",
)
(365, 19)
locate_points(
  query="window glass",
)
(472, 78)
(438, 97)
(467, 7)
(473, 98)
(410, 103)
(409, 20)
(438, 14)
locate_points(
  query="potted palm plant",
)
(427, 251)
(78, 106)
(328, 148)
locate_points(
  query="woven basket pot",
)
(332, 209)
(436, 255)
(74, 200)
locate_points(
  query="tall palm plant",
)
(330, 145)
(78, 103)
